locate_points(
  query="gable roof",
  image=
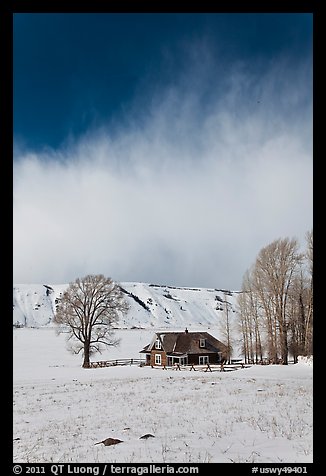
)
(180, 343)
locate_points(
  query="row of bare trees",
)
(276, 303)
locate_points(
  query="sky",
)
(159, 148)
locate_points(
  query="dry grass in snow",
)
(258, 414)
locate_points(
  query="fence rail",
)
(205, 367)
(116, 362)
(142, 362)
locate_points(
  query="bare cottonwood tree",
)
(277, 265)
(226, 327)
(310, 310)
(244, 324)
(245, 327)
(263, 300)
(88, 311)
(250, 321)
(300, 318)
(276, 303)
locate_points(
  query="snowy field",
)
(261, 414)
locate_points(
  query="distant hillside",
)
(151, 306)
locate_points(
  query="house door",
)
(203, 359)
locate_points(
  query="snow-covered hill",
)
(151, 306)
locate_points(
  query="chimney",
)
(186, 330)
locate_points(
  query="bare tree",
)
(276, 303)
(310, 310)
(88, 311)
(309, 252)
(276, 266)
(226, 327)
(263, 301)
(244, 325)
(299, 300)
(250, 322)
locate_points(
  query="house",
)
(197, 348)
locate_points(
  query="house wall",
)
(163, 357)
(192, 358)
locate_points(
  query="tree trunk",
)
(284, 345)
(86, 355)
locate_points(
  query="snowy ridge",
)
(151, 306)
(34, 304)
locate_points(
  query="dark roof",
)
(180, 343)
(145, 349)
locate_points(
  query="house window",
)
(202, 343)
(158, 360)
(203, 359)
(158, 344)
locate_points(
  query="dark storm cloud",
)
(207, 169)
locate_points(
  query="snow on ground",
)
(258, 414)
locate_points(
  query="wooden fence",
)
(142, 362)
(116, 362)
(205, 367)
